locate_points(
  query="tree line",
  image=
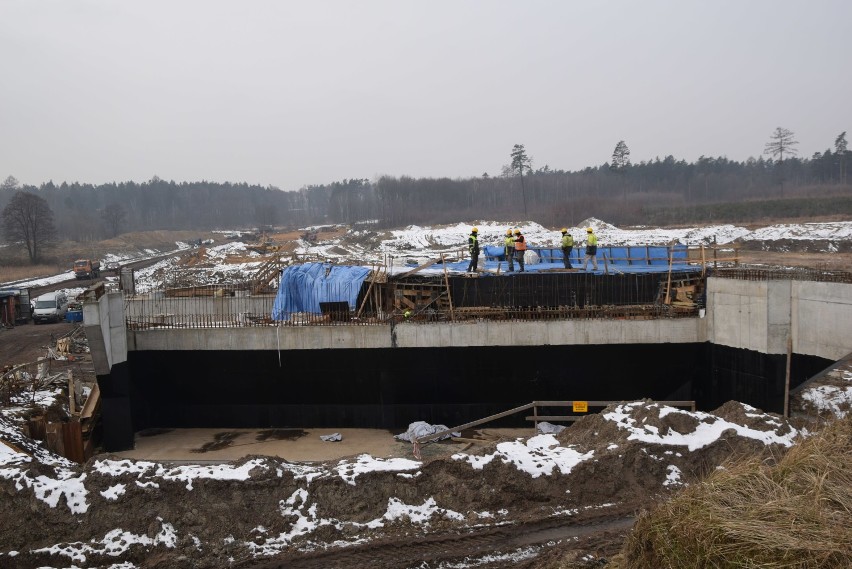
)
(618, 191)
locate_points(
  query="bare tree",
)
(781, 142)
(28, 219)
(521, 162)
(113, 216)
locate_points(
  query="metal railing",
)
(751, 273)
(234, 306)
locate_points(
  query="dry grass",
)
(17, 273)
(797, 513)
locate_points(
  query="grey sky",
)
(297, 93)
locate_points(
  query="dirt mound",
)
(617, 462)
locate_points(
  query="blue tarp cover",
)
(633, 258)
(304, 287)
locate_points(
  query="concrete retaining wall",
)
(106, 331)
(751, 315)
(759, 316)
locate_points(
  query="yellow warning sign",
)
(581, 406)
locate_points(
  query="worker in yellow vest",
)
(591, 249)
(567, 247)
(509, 249)
(473, 249)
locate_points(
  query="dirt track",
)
(27, 342)
(602, 535)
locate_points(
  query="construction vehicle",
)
(87, 269)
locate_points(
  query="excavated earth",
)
(527, 503)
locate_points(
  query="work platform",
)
(610, 260)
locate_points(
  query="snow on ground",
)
(708, 430)
(540, 455)
(413, 245)
(833, 397)
(402, 249)
(666, 433)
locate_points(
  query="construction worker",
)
(520, 248)
(567, 247)
(473, 249)
(591, 249)
(509, 249)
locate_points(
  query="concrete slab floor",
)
(296, 445)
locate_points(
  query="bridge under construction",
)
(389, 348)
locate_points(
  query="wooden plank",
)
(72, 440)
(540, 418)
(472, 441)
(38, 428)
(91, 403)
(447, 283)
(474, 423)
(690, 404)
(420, 268)
(669, 285)
(14, 448)
(366, 295)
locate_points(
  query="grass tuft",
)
(796, 513)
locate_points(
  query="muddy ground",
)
(529, 503)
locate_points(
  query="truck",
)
(87, 269)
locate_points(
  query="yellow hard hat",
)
(474, 230)
(508, 232)
(517, 232)
(589, 230)
(564, 230)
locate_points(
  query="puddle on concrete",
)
(153, 432)
(220, 441)
(280, 435)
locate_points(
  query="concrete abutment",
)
(450, 373)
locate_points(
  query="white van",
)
(50, 307)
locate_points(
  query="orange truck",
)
(87, 269)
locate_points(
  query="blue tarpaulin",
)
(304, 287)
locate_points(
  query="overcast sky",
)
(290, 94)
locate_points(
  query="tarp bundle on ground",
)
(419, 429)
(304, 287)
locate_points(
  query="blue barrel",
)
(74, 316)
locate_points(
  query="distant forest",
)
(661, 191)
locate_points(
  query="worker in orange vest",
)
(520, 248)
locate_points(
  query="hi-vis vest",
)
(520, 243)
(509, 242)
(567, 240)
(593, 239)
(472, 244)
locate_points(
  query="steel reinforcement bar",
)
(783, 273)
